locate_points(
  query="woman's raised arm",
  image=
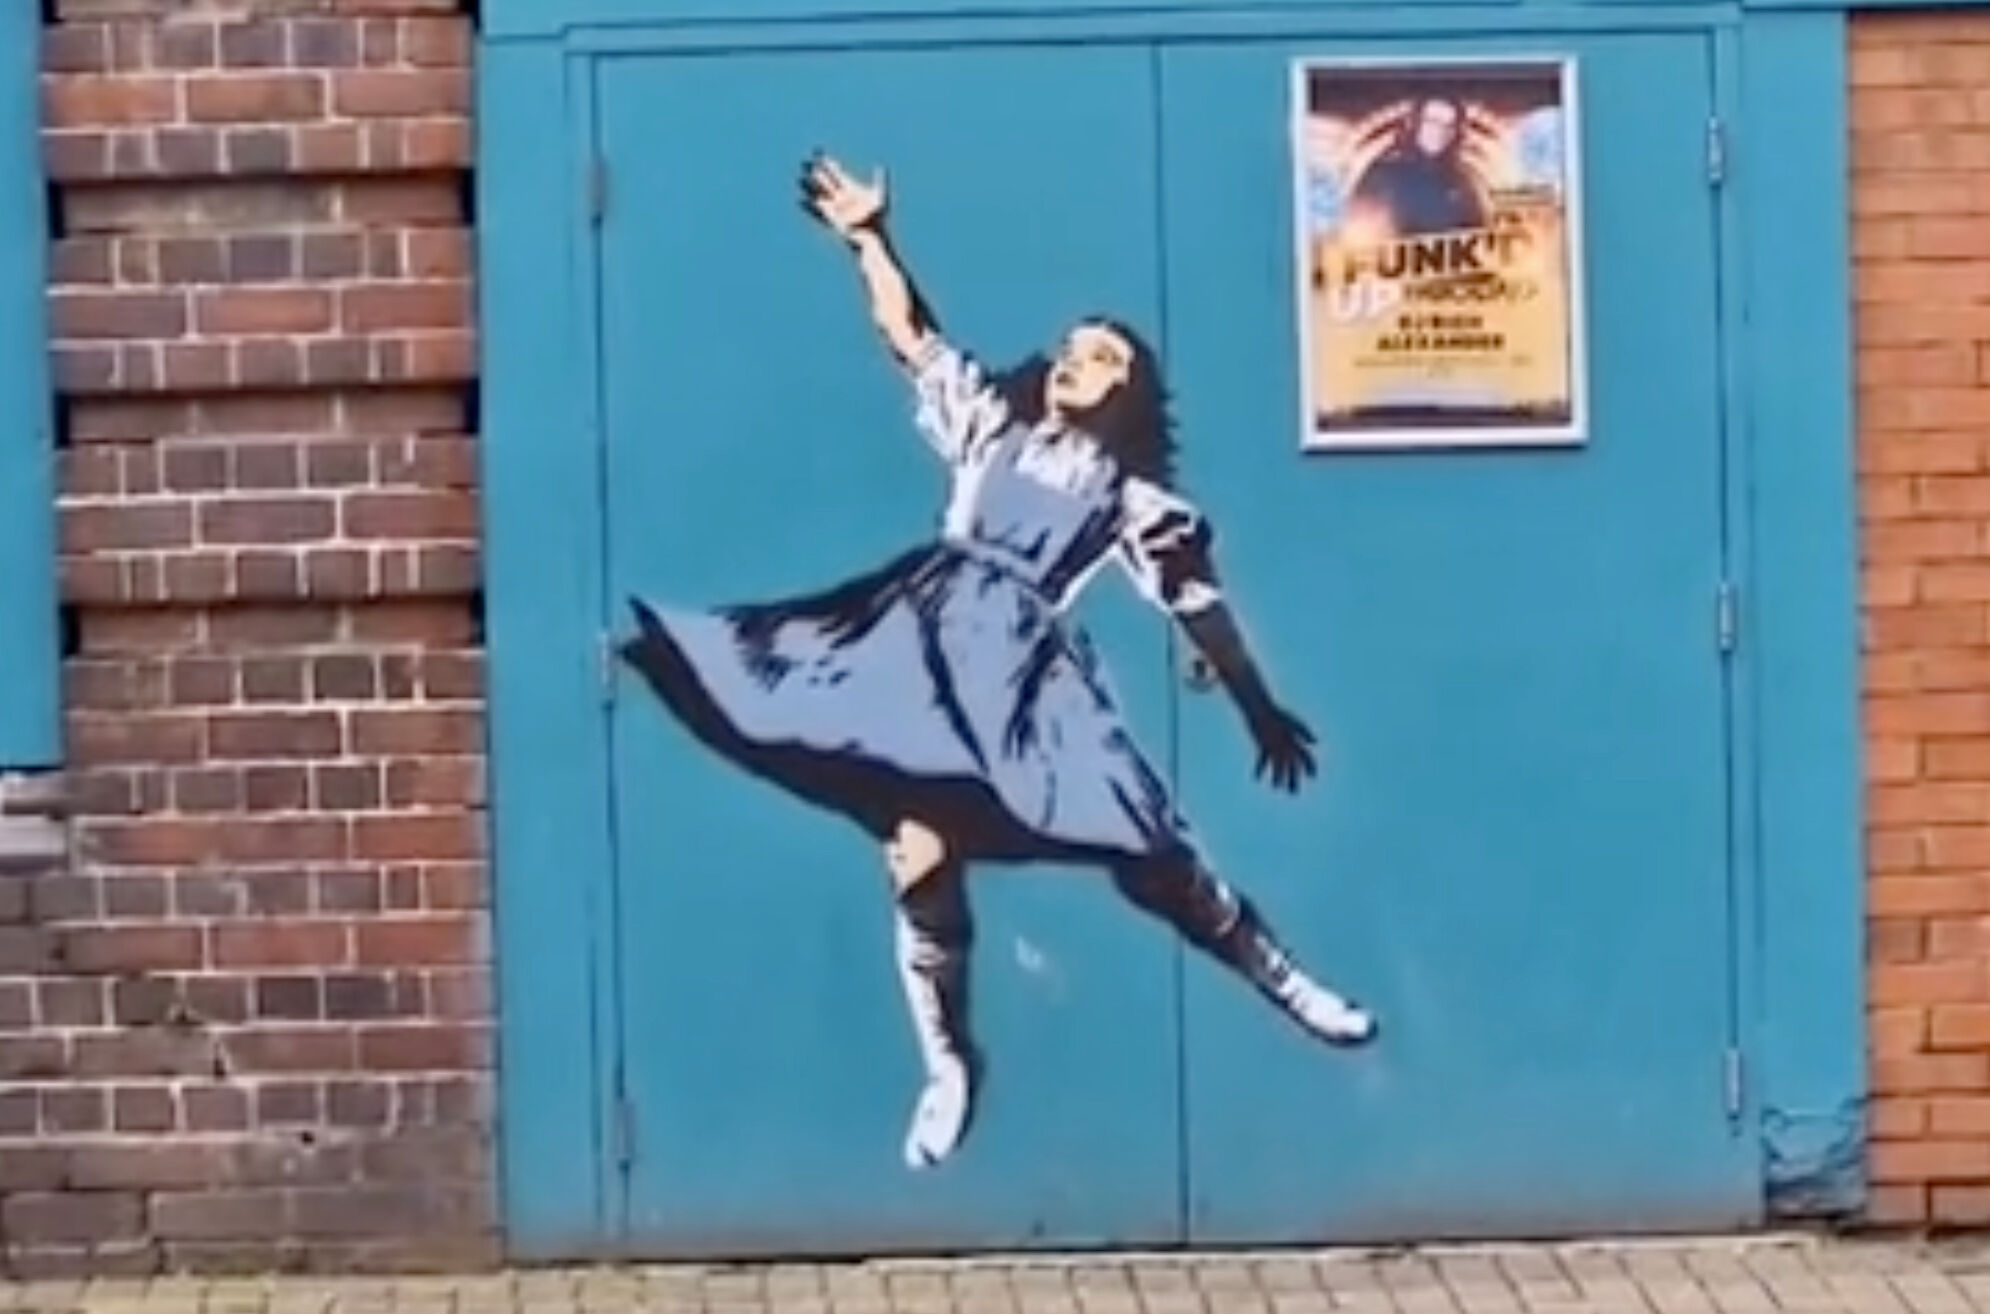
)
(855, 211)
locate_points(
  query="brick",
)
(424, 1047)
(1929, 1160)
(86, 315)
(1929, 803)
(86, 100)
(1931, 1073)
(71, 1216)
(291, 998)
(1956, 848)
(289, 1103)
(275, 735)
(260, 98)
(257, 944)
(1960, 1206)
(1897, 1206)
(1898, 1119)
(1931, 895)
(1959, 1116)
(63, 1002)
(271, 1049)
(1939, 670)
(219, 1213)
(439, 941)
(1931, 714)
(416, 837)
(214, 1109)
(407, 93)
(33, 1167)
(74, 1108)
(1958, 938)
(264, 310)
(131, 948)
(1960, 1026)
(446, 732)
(264, 320)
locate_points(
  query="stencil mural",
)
(947, 704)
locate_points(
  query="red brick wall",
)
(249, 1024)
(1921, 232)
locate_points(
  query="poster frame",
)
(1574, 433)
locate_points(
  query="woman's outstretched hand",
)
(1285, 748)
(843, 204)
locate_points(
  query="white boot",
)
(1319, 1011)
(940, 1118)
(935, 980)
(1324, 1013)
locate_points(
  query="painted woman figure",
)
(945, 704)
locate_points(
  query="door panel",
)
(1517, 851)
(761, 447)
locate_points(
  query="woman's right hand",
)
(842, 203)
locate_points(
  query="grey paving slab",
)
(1757, 1275)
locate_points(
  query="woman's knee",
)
(915, 854)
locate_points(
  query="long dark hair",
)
(1132, 422)
(1461, 125)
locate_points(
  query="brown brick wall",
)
(1921, 233)
(249, 1024)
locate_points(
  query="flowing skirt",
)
(940, 688)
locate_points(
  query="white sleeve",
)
(957, 408)
(1166, 548)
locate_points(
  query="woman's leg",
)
(1224, 924)
(935, 936)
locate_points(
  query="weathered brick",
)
(71, 1216)
(1922, 294)
(269, 967)
(223, 1213)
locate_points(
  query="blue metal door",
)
(1518, 852)
(760, 447)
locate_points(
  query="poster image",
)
(1440, 253)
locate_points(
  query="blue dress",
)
(949, 686)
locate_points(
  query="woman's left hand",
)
(843, 203)
(1285, 748)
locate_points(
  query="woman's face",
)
(1436, 127)
(1091, 361)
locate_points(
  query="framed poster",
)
(1440, 261)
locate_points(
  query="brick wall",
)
(249, 1024)
(1921, 231)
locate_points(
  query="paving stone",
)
(1712, 1276)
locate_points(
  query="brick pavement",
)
(1724, 1276)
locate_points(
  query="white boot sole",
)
(939, 1120)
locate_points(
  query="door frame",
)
(1796, 751)
(30, 640)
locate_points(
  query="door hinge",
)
(606, 659)
(1716, 152)
(624, 1131)
(597, 190)
(1733, 1089)
(1726, 616)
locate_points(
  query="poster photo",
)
(1440, 253)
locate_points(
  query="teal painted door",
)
(1518, 852)
(760, 447)
(1518, 849)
